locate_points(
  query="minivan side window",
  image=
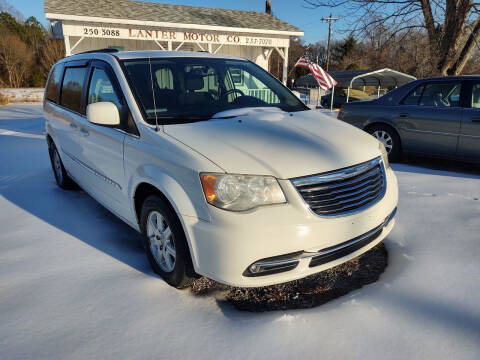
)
(102, 89)
(72, 86)
(54, 83)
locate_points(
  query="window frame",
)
(60, 82)
(75, 64)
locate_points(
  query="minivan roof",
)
(125, 55)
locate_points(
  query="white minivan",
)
(222, 169)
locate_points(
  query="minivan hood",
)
(269, 141)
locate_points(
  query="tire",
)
(61, 177)
(165, 243)
(389, 137)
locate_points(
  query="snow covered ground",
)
(74, 283)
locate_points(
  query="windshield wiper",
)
(167, 120)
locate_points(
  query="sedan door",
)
(103, 146)
(469, 141)
(429, 118)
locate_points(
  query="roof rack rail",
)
(106, 50)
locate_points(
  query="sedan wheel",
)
(162, 244)
(385, 139)
(389, 138)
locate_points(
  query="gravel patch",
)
(309, 292)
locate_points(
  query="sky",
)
(290, 11)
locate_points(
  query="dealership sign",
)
(156, 34)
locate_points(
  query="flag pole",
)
(319, 103)
(331, 98)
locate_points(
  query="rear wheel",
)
(61, 177)
(389, 138)
(165, 243)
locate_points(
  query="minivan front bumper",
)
(286, 241)
(288, 262)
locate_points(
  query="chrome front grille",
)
(345, 191)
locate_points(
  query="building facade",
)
(136, 25)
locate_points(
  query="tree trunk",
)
(431, 30)
(456, 14)
(467, 50)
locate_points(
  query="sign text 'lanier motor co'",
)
(171, 35)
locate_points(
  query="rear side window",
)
(72, 88)
(476, 95)
(54, 83)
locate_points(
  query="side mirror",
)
(103, 113)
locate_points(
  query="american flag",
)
(324, 80)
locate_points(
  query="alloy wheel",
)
(162, 244)
(385, 139)
(57, 165)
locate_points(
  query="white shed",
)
(136, 25)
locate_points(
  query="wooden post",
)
(285, 67)
(67, 45)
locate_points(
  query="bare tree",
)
(452, 26)
(5, 6)
(15, 58)
(50, 53)
(318, 52)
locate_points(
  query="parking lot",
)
(75, 284)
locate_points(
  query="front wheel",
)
(165, 243)
(390, 139)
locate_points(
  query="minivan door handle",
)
(84, 132)
(476, 120)
(73, 126)
(403, 115)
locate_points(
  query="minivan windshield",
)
(178, 90)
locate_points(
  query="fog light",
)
(254, 269)
(273, 265)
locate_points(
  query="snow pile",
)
(23, 94)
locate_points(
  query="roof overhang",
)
(89, 19)
(383, 77)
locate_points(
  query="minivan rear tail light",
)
(339, 115)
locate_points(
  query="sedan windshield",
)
(177, 90)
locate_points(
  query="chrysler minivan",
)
(223, 170)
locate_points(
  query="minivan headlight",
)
(241, 192)
(384, 154)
